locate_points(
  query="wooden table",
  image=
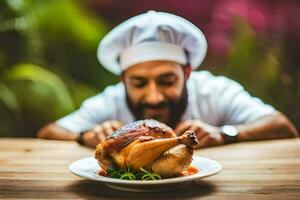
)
(33, 169)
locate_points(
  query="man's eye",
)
(139, 84)
(167, 81)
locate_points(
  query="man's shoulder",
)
(109, 94)
(206, 82)
(116, 90)
(205, 75)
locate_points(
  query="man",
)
(154, 54)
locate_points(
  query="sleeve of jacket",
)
(93, 110)
(237, 106)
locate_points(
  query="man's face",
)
(157, 90)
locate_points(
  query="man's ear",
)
(122, 77)
(188, 71)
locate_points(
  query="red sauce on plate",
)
(190, 171)
(101, 172)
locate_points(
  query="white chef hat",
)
(152, 36)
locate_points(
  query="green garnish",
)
(149, 176)
(128, 174)
(114, 173)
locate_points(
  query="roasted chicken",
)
(148, 144)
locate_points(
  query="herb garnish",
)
(128, 174)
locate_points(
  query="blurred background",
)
(48, 63)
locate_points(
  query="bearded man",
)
(154, 54)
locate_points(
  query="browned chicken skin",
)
(148, 144)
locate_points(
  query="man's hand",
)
(206, 134)
(101, 131)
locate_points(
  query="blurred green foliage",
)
(257, 62)
(48, 63)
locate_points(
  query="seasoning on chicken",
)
(148, 144)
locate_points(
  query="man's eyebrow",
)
(168, 74)
(164, 75)
(137, 78)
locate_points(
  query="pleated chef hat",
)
(152, 36)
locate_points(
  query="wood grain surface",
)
(38, 169)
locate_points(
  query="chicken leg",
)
(144, 154)
(173, 161)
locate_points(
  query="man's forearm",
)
(54, 132)
(90, 137)
(275, 126)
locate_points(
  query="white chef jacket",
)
(215, 100)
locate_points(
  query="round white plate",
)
(88, 168)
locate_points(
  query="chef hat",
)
(152, 36)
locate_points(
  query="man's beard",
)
(176, 108)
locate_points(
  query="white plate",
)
(88, 168)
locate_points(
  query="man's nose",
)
(153, 95)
